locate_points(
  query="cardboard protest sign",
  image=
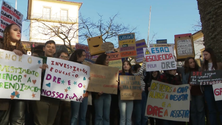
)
(9, 15)
(139, 49)
(159, 58)
(131, 88)
(127, 45)
(184, 46)
(65, 80)
(116, 63)
(113, 56)
(206, 77)
(217, 89)
(20, 76)
(95, 44)
(107, 46)
(103, 79)
(168, 102)
(84, 47)
(161, 41)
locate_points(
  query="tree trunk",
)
(211, 18)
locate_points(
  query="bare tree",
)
(83, 29)
(65, 32)
(107, 29)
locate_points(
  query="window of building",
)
(64, 15)
(46, 13)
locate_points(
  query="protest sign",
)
(168, 102)
(107, 46)
(184, 46)
(20, 76)
(84, 47)
(113, 56)
(217, 89)
(65, 80)
(127, 45)
(103, 79)
(206, 77)
(130, 88)
(9, 15)
(139, 49)
(116, 63)
(159, 58)
(161, 41)
(95, 44)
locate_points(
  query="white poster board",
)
(168, 102)
(217, 89)
(65, 80)
(159, 58)
(20, 76)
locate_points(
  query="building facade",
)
(53, 20)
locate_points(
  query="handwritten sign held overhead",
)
(184, 46)
(127, 45)
(139, 49)
(65, 80)
(20, 76)
(159, 58)
(9, 15)
(168, 102)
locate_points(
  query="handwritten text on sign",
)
(65, 80)
(206, 77)
(159, 58)
(139, 48)
(131, 88)
(217, 89)
(103, 79)
(9, 15)
(116, 63)
(169, 102)
(127, 45)
(20, 76)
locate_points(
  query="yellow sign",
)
(128, 42)
(116, 63)
(95, 44)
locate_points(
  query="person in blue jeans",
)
(210, 64)
(79, 109)
(102, 101)
(126, 107)
(140, 105)
(197, 99)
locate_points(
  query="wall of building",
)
(41, 33)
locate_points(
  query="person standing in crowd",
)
(210, 64)
(126, 107)
(102, 101)
(140, 105)
(64, 113)
(154, 76)
(170, 78)
(197, 99)
(79, 109)
(12, 112)
(45, 110)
